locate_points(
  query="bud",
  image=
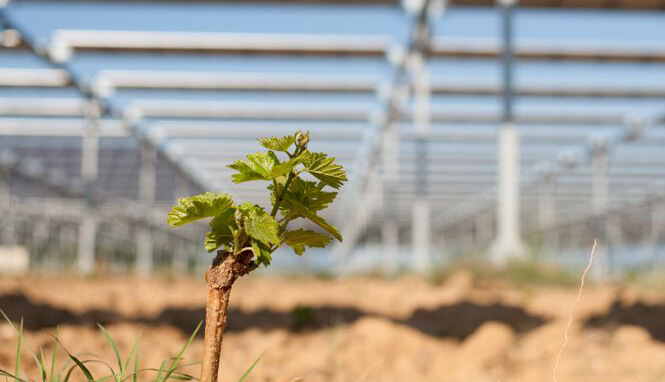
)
(302, 139)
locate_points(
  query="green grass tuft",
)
(169, 370)
(51, 372)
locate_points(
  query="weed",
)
(126, 369)
(303, 316)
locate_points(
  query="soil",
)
(356, 329)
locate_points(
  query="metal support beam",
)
(144, 235)
(599, 205)
(390, 225)
(395, 96)
(57, 56)
(508, 244)
(421, 226)
(89, 172)
(656, 232)
(8, 233)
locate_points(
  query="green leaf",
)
(213, 241)
(259, 224)
(283, 168)
(300, 210)
(260, 166)
(198, 207)
(311, 194)
(245, 172)
(301, 238)
(308, 193)
(262, 252)
(220, 230)
(278, 144)
(324, 168)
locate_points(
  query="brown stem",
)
(221, 275)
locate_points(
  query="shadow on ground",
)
(456, 320)
(650, 317)
(299, 319)
(40, 316)
(460, 320)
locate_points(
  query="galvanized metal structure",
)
(97, 166)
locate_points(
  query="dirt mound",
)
(354, 329)
(488, 344)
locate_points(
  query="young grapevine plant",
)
(245, 235)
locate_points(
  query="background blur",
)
(487, 145)
(112, 110)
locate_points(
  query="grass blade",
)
(53, 353)
(109, 339)
(81, 366)
(131, 352)
(10, 375)
(82, 363)
(248, 371)
(182, 377)
(136, 365)
(17, 366)
(42, 364)
(178, 357)
(19, 331)
(69, 373)
(160, 371)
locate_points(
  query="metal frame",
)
(178, 130)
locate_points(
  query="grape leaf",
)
(260, 166)
(324, 168)
(300, 210)
(259, 224)
(301, 238)
(308, 193)
(198, 207)
(262, 253)
(220, 230)
(278, 144)
(250, 225)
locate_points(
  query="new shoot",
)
(245, 235)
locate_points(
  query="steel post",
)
(508, 244)
(421, 223)
(390, 226)
(599, 204)
(87, 238)
(147, 184)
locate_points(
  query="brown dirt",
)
(354, 329)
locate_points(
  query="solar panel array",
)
(199, 83)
